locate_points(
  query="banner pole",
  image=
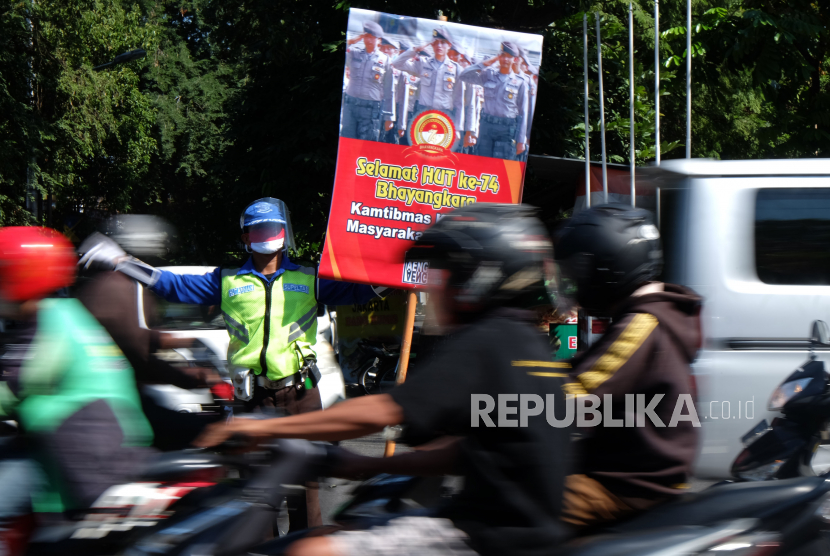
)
(631, 92)
(406, 347)
(602, 112)
(688, 78)
(657, 82)
(587, 123)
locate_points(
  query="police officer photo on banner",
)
(411, 81)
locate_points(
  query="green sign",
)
(563, 340)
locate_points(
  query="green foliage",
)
(236, 101)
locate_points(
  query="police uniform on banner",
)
(368, 73)
(410, 97)
(440, 88)
(392, 94)
(528, 72)
(504, 116)
(472, 95)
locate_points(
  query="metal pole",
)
(631, 90)
(403, 361)
(602, 114)
(688, 78)
(657, 82)
(587, 138)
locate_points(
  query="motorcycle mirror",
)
(820, 334)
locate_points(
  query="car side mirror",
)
(821, 333)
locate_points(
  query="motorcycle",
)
(223, 505)
(798, 443)
(741, 519)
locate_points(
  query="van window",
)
(673, 226)
(792, 236)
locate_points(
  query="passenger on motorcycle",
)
(124, 307)
(487, 265)
(610, 257)
(63, 379)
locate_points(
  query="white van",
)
(753, 238)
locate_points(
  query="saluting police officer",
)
(440, 88)
(391, 92)
(368, 73)
(409, 96)
(472, 100)
(504, 118)
(520, 68)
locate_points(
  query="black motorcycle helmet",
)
(496, 255)
(605, 253)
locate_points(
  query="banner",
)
(435, 116)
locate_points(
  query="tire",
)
(368, 377)
(388, 380)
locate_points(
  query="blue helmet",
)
(269, 211)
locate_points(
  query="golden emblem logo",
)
(433, 130)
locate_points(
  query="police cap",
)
(461, 51)
(526, 57)
(510, 48)
(373, 29)
(390, 41)
(442, 33)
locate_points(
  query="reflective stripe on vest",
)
(273, 344)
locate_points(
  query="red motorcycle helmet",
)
(34, 262)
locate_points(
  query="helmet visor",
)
(266, 231)
(566, 280)
(269, 222)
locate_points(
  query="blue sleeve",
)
(204, 289)
(332, 292)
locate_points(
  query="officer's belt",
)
(498, 120)
(354, 101)
(277, 384)
(419, 106)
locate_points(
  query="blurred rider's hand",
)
(206, 375)
(217, 433)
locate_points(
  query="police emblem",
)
(433, 131)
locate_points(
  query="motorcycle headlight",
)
(762, 473)
(785, 392)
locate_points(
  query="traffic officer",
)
(440, 88)
(270, 309)
(367, 68)
(503, 129)
(392, 93)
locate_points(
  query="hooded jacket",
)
(646, 351)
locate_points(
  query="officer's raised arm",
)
(473, 74)
(524, 110)
(409, 61)
(102, 252)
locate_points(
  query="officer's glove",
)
(100, 253)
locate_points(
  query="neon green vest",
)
(272, 327)
(74, 362)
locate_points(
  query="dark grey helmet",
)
(607, 252)
(496, 255)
